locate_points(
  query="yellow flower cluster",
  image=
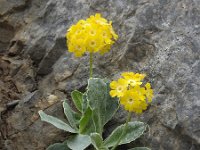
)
(134, 95)
(94, 34)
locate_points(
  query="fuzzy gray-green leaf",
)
(71, 115)
(140, 148)
(86, 125)
(102, 104)
(58, 146)
(77, 98)
(78, 142)
(56, 122)
(85, 103)
(134, 130)
(97, 141)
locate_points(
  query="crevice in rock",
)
(51, 57)
(15, 47)
(6, 34)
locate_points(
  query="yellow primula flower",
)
(115, 36)
(132, 78)
(118, 87)
(75, 29)
(106, 32)
(142, 106)
(93, 43)
(132, 101)
(149, 92)
(92, 29)
(97, 19)
(96, 33)
(140, 90)
(77, 47)
(105, 49)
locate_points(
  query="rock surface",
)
(158, 37)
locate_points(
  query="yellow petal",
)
(113, 84)
(112, 93)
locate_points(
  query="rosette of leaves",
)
(95, 108)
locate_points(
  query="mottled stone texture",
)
(158, 37)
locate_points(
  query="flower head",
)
(96, 34)
(130, 89)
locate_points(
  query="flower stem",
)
(91, 63)
(123, 132)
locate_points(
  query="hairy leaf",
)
(86, 125)
(134, 130)
(85, 103)
(77, 98)
(97, 141)
(72, 116)
(140, 148)
(56, 122)
(78, 142)
(102, 104)
(58, 146)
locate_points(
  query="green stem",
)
(91, 63)
(123, 132)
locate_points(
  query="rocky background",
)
(158, 37)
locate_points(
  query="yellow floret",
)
(77, 46)
(118, 88)
(132, 102)
(149, 92)
(132, 78)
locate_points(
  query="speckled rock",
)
(158, 37)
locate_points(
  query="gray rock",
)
(9, 6)
(158, 37)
